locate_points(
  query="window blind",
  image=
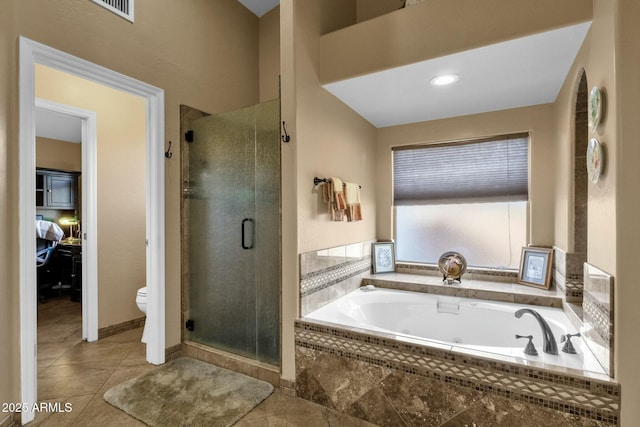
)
(477, 171)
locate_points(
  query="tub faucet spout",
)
(549, 341)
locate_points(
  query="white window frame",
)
(468, 141)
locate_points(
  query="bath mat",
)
(188, 392)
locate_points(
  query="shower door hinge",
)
(189, 325)
(189, 136)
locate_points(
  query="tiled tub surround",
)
(568, 276)
(588, 292)
(374, 376)
(472, 273)
(598, 315)
(391, 383)
(473, 285)
(328, 274)
(483, 327)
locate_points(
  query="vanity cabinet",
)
(56, 189)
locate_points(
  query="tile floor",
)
(76, 372)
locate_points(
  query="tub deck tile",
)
(370, 360)
(502, 291)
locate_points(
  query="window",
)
(469, 197)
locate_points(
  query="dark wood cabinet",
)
(69, 259)
(56, 189)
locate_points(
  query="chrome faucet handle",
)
(530, 349)
(568, 345)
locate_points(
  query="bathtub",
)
(482, 327)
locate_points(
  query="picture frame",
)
(384, 257)
(535, 267)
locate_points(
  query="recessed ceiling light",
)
(444, 79)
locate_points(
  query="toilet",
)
(141, 301)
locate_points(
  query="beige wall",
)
(289, 248)
(204, 55)
(9, 292)
(417, 33)
(121, 187)
(327, 139)
(600, 68)
(56, 154)
(537, 120)
(332, 140)
(627, 104)
(269, 52)
(597, 58)
(369, 9)
(207, 56)
(609, 59)
(564, 111)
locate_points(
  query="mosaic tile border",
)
(568, 274)
(328, 274)
(598, 317)
(586, 397)
(574, 268)
(318, 280)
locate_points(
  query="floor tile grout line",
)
(130, 363)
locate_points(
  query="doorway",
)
(32, 53)
(87, 138)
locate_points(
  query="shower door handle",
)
(244, 224)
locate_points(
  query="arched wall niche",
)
(580, 180)
(576, 257)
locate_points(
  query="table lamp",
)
(70, 221)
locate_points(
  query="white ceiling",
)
(517, 73)
(260, 7)
(50, 124)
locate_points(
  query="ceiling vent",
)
(122, 8)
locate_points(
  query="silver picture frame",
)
(535, 267)
(384, 257)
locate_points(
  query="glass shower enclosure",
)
(231, 231)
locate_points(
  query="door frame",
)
(31, 53)
(89, 148)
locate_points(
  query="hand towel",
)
(338, 194)
(352, 198)
(333, 195)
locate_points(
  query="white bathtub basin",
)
(464, 324)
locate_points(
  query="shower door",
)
(233, 197)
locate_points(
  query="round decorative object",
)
(595, 160)
(595, 108)
(452, 265)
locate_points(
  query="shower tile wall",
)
(328, 274)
